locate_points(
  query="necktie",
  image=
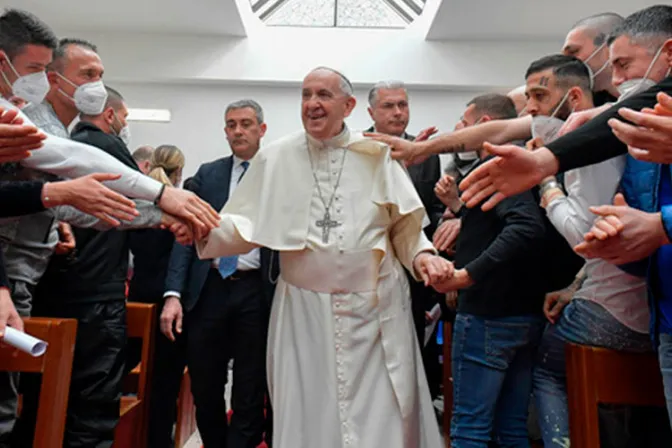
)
(228, 265)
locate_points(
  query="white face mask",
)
(636, 85)
(594, 75)
(125, 135)
(32, 87)
(467, 156)
(89, 98)
(546, 128)
(124, 132)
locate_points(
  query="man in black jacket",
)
(89, 285)
(499, 256)
(389, 110)
(226, 303)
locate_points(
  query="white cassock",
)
(343, 362)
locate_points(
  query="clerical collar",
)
(339, 141)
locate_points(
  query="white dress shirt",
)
(621, 294)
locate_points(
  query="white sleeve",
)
(596, 185)
(69, 159)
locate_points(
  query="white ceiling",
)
(218, 17)
(520, 19)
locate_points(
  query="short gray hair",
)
(345, 84)
(373, 93)
(649, 27)
(243, 104)
(143, 153)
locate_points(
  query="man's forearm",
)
(471, 138)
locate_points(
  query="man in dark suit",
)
(389, 110)
(226, 303)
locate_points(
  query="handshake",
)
(440, 273)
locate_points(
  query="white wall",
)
(198, 111)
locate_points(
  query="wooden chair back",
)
(597, 375)
(131, 431)
(56, 368)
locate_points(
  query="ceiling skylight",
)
(338, 13)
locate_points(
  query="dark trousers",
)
(170, 358)
(229, 321)
(97, 374)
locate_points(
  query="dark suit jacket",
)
(186, 272)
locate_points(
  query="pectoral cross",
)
(327, 224)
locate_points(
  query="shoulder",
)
(289, 142)
(214, 165)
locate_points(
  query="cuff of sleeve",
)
(172, 294)
(478, 268)
(423, 246)
(35, 196)
(666, 216)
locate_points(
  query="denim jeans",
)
(492, 379)
(582, 322)
(665, 360)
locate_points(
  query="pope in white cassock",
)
(343, 363)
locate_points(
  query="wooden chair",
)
(131, 431)
(447, 380)
(597, 375)
(56, 368)
(186, 412)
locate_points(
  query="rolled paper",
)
(24, 342)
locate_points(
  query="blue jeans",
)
(582, 322)
(665, 360)
(492, 379)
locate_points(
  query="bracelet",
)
(158, 198)
(460, 211)
(548, 185)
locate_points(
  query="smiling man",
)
(343, 361)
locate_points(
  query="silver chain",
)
(338, 179)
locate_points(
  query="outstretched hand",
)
(513, 170)
(400, 149)
(649, 137)
(622, 234)
(190, 208)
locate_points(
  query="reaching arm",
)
(69, 159)
(595, 142)
(20, 198)
(570, 214)
(150, 216)
(472, 138)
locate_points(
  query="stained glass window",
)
(338, 13)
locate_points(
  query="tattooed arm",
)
(472, 138)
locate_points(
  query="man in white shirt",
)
(26, 49)
(610, 307)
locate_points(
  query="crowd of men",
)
(302, 280)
